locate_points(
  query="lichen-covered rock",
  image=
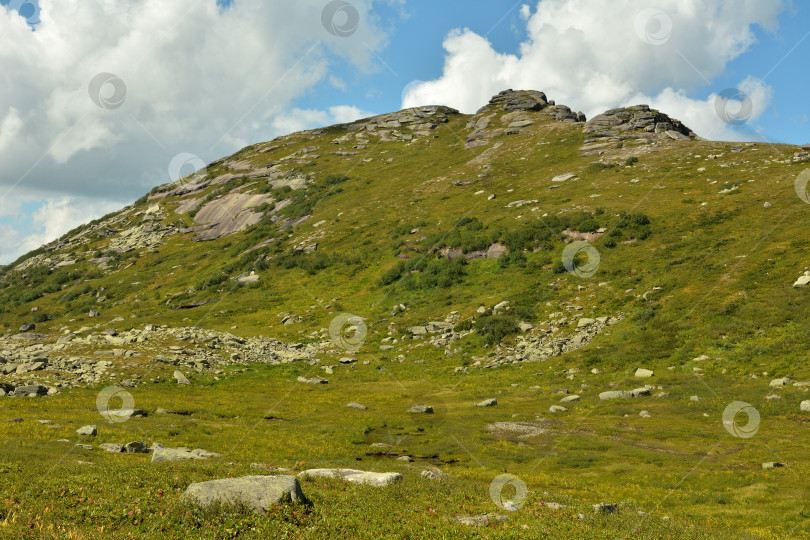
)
(638, 121)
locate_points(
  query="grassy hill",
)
(428, 257)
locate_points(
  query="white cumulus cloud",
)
(185, 76)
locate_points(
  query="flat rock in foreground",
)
(355, 476)
(257, 492)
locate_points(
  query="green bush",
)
(495, 328)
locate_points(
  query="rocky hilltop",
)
(417, 302)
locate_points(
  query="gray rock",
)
(491, 402)
(114, 448)
(570, 399)
(804, 406)
(564, 177)
(131, 413)
(772, 465)
(557, 409)
(84, 446)
(93, 313)
(606, 508)
(642, 373)
(29, 327)
(355, 476)
(136, 447)
(585, 321)
(615, 394)
(640, 392)
(160, 454)
(257, 492)
(784, 381)
(312, 380)
(803, 280)
(480, 519)
(694, 398)
(180, 378)
(31, 390)
(430, 475)
(421, 409)
(355, 405)
(87, 431)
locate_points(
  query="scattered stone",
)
(804, 406)
(257, 492)
(803, 280)
(180, 378)
(694, 398)
(784, 381)
(570, 399)
(642, 373)
(430, 475)
(772, 465)
(556, 409)
(31, 390)
(312, 380)
(421, 409)
(114, 448)
(84, 446)
(160, 454)
(407, 459)
(480, 519)
(640, 392)
(645, 414)
(136, 447)
(606, 508)
(93, 313)
(354, 476)
(615, 394)
(29, 327)
(355, 405)
(491, 402)
(564, 177)
(87, 431)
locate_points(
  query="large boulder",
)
(355, 476)
(257, 492)
(31, 390)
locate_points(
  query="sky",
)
(101, 100)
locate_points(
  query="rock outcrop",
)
(636, 122)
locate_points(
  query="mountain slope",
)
(418, 254)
